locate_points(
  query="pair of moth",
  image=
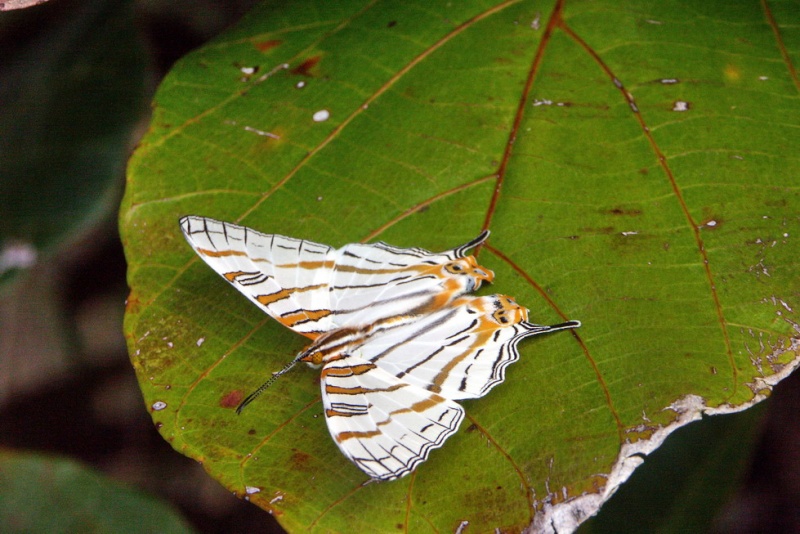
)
(397, 339)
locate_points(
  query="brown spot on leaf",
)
(305, 68)
(300, 459)
(264, 46)
(232, 399)
(392, 24)
(623, 211)
(132, 304)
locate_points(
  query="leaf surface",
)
(635, 164)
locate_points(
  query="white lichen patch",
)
(321, 115)
(261, 132)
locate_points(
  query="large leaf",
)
(50, 494)
(636, 165)
(73, 88)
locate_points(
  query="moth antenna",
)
(463, 249)
(568, 324)
(263, 387)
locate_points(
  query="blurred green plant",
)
(50, 494)
(73, 88)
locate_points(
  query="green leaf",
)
(635, 164)
(73, 88)
(43, 494)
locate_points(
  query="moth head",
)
(508, 312)
(468, 271)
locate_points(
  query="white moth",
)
(397, 339)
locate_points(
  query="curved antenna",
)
(534, 329)
(563, 326)
(250, 398)
(461, 251)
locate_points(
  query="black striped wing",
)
(382, 424)
(313, 288)
(390, 400)
(376, 281)
(399, 342)
(287, 278)
(459, 352)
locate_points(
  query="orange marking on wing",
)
(359, 390)
(450, 287)
(360, 270)
(336, 413)
(420, 406)
(477, 303)
(266, 300)
(220, 253)
(312, 315)
(484, 334)
(343, 436)
(311, 265)
(430, 402)
(233, 275)
(348, 371)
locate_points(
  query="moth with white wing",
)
(397, 339)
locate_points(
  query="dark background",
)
(67, 386)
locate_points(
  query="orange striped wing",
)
(313, 288)
(398, 341)
(459, 352)
(382, 424)
(389, 391)
(287, 278)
